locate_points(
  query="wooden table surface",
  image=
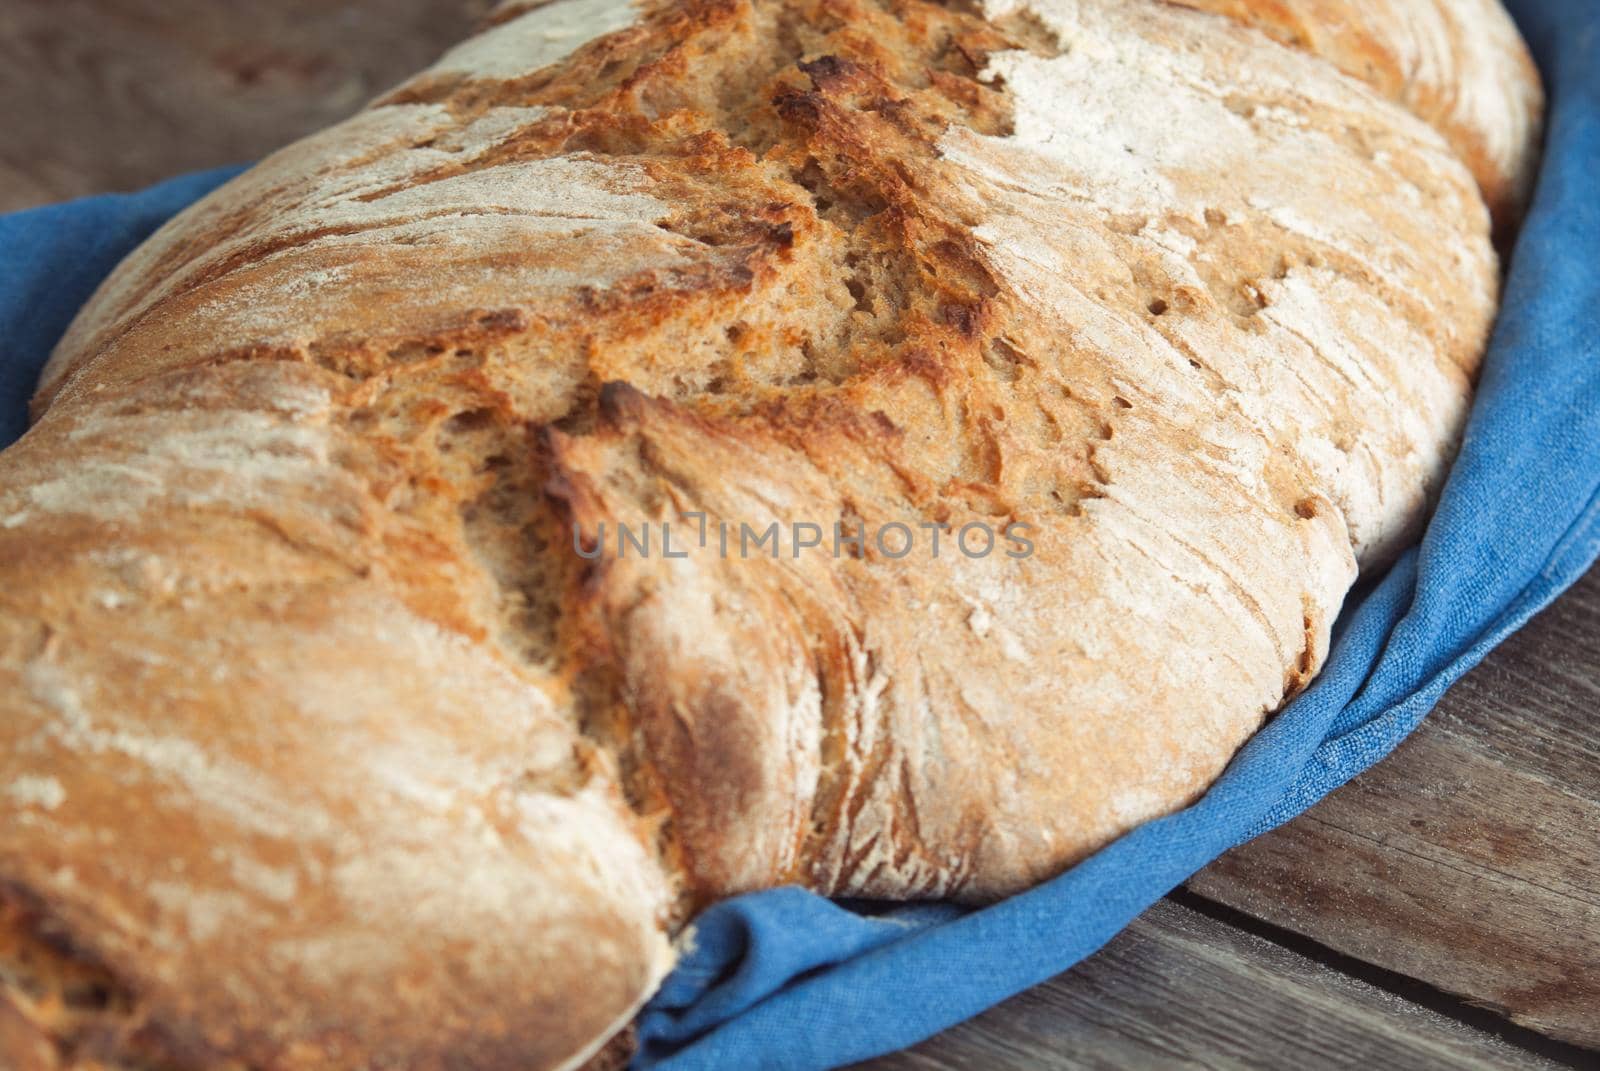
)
(1443, 910)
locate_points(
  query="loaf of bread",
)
(669, 450)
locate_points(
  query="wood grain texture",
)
(1178, 989)
(1468, 858)
(115, 94)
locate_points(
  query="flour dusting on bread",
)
(527, 43)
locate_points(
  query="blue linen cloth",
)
(788, 980)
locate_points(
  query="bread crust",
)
(325, 747)
(1457, 64)
(297, 817)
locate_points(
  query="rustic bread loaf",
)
(340, 728)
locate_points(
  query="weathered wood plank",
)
(115, 94)
(1470, 858)
(1178, 989)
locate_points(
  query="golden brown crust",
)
(360, 838)
(1458, 64)
(289, 559)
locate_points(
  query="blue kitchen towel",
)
(788, 980)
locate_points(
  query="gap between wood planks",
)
(1179, 990)
(1410, 989)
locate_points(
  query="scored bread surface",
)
(323, 747)
(1457, 64)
